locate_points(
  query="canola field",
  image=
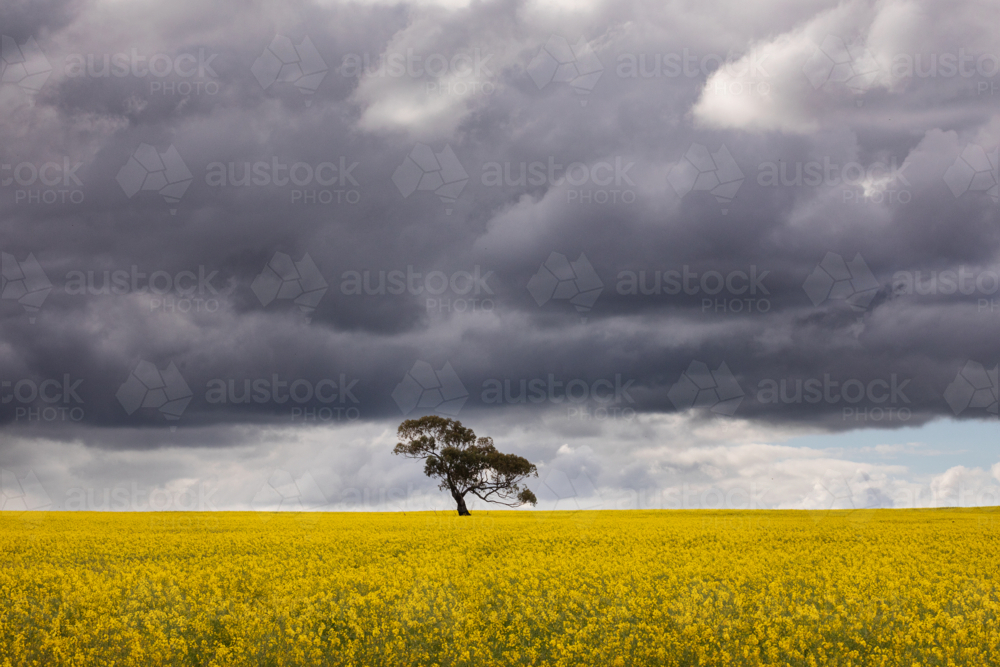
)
(881, 587)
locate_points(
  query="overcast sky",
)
(677, 255)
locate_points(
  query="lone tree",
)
(464, 463)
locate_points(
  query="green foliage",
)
(464, 463)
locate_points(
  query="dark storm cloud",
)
(147, 287)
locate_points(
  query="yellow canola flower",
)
(913, 587)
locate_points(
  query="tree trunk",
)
(462, 510)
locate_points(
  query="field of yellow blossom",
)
(880, 587)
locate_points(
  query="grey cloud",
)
(712, 266)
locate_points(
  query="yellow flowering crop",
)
(913, 587)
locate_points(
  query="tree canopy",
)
(464, 463)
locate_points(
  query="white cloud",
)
(652, 462)
(816, 74)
